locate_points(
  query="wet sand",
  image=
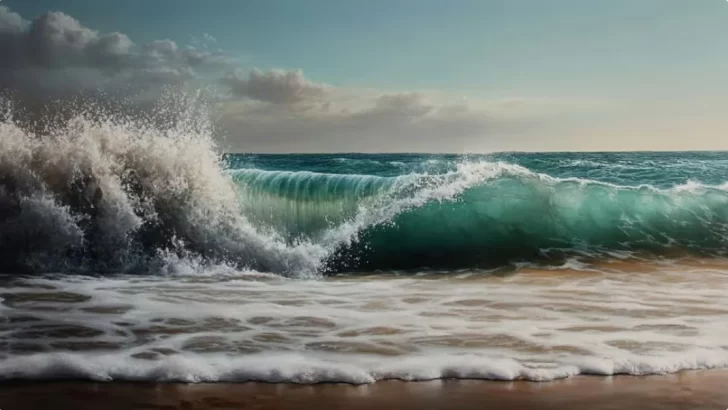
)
(686, 390)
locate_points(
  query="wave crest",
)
(104, 192)
(483, 214)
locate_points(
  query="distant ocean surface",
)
(134, 252)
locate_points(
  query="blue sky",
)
(648, 52)
(522, 46)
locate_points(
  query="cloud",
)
(284, 111)
(275, 110)
(204, 41)
(56, 53)
(10, 22)
(410, 105)
(208, 38)
(275, 86)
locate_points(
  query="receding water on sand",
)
(534, 324)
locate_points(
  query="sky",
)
(398, 75)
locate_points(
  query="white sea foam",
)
(113, 191)
(307, 369)
(536, 325)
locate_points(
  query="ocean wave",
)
(483, 214)
(107, 193)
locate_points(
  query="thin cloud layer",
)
(274, 86)
(340, 120)
(279, 110)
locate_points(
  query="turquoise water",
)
(658, 169)
(139, 200)
(139, 253)
(450, 211)
(134, 253)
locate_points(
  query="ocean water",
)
(132, 249)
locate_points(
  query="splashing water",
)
(109, 192)
(620, 258)
(105, 192)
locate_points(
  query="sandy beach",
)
(687, 390)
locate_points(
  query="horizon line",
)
(479, 152)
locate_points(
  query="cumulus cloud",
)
(275, 86)
(10, 22)
(69, 56)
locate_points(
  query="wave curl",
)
(105, 192)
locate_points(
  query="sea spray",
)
(596, 240)
(106, 191)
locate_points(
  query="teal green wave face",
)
(305, 204)
(514, 219)
(476, 211)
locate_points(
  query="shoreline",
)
(702, 389)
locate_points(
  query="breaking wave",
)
(105, 192)
(483, 214)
